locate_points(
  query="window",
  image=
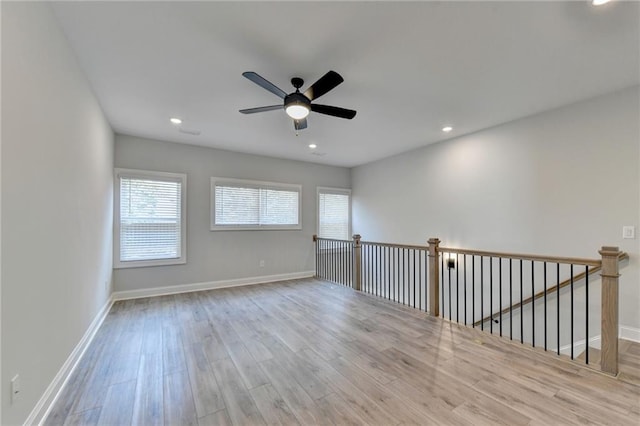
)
(150, 218)
(334, 213)
(244, 204)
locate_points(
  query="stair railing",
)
(488, 289)
(543, 299)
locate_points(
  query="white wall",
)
(559, 183)
(225, 255)
(57, 168)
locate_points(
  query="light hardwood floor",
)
(309, 352)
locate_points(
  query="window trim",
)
(331, 190)
(253, 184)
(149, 174)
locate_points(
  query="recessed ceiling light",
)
(176, 121)
(599, 2)
(447, 129)
(313, 146)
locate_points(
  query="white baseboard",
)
(48, 399)
(580, 346)
(629, 333)
(624, 332)
(187, 288)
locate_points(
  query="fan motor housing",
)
(297, 98)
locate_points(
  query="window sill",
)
(256, 228)
(147, 263)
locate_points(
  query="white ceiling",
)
(409, 68)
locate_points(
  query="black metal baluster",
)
(457, 291)
(330, 260)
(393, 271)
(491, 294)
(449, 270)
(558, 305)
(571, 272)
(396, 283)
(510, 299)
(481, 292)
(533, 307)
(320, 257)
(372, 268)
(414, 278)
(586, 316)
(473, 290)
(380, 270)
(421, 283)
(325, 260)
(369, 274)
(464, 260)
(345, 264)
(545, 305)
(389, 266)
(521, 307)
(338, 262)
(500, 292)
(374, 275)
(404, 273)
(406, 287)
(442, 282)
(380, 266)
(351, 264)
(363, 266)
(396, 257)
(345, 259)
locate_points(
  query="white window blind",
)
(238, 204)
(334, 213)
(150, 218)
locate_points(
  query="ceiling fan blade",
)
(264, 83)
(323, 85)
(334, 111)
(261, 109)
(300, 124)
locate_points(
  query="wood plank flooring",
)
(628, 358)
(313, 353)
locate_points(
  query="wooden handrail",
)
(407, 246)
(316, 238)
(578, 277)
(534, 257)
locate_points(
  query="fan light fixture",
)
(298, 105)
(297, 110)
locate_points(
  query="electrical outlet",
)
(629, 232)
(262, 263)
(15, 388)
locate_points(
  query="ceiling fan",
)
(298, 105)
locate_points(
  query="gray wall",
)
(559, 183)
(223, 255)
(57, 173)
